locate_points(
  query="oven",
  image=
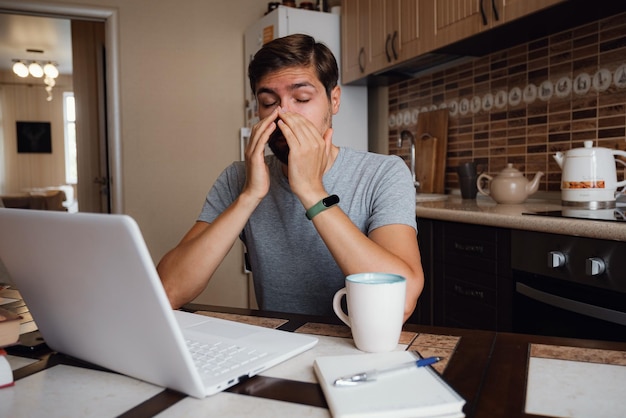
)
(568, 286)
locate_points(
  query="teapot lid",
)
(588, 150)
(510, 171)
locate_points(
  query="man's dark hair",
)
(294, 51)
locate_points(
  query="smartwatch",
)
(322, 205)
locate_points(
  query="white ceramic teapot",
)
(589, 176)
(509, 186)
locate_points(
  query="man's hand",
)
(309, 155)
(257, 173)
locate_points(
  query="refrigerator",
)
(350, 123)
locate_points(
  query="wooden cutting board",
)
(431, 142)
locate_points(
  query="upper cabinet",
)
(415, 32)
(460, 19)
(513, 9)
(354, 34)
(379, 34)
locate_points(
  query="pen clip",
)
(355, 379)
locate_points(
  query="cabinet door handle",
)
(578, 307)
(482, 13)
(104, 181)
(361, 59)
(468, 292)
(387, 42)
(469, 248)
(496, 14)
(393, 44)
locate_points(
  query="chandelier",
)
(38, 69)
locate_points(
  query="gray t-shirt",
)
(292, 268)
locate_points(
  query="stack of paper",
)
(414, 392)
(6, 374)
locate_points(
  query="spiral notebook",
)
(417, 392)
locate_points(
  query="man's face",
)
(297, 90)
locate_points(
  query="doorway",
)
(94, 177)
(27, 102)
(100, 161)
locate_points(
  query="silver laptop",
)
(93, 290)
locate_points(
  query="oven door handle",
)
(572, 305)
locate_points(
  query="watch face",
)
(331, 200)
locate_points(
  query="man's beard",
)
(278, 145)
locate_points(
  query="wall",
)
(524, 104)
(25, 100)
(181, 82)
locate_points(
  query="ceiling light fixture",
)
(50, 70)
(20, 69)
(35, 69)
(38, 69)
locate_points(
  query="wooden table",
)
(486, 368)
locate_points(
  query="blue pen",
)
(372, 375)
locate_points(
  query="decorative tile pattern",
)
(328, 330)
(343, 331)
(428, 345)
(523, 104)
(587, 355)
(254, 320)
(445, 342)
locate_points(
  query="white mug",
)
(375, 304)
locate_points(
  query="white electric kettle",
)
(588, 177)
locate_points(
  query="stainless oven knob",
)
(556, 259)
(594, 266)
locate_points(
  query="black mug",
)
(468, 176)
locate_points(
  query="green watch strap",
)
(322, 205)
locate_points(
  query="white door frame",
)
(110, 18)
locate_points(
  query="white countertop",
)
(485, 211)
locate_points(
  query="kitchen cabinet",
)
(423, 313)
(468, 276)
(354, 36)
(457, 20)
(377, 34)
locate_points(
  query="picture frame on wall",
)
(34, 137)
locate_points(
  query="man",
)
(310, 214)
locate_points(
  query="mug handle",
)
(337, 306)
(482, 176)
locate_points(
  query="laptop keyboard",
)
(221, 357)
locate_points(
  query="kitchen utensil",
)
(425, 172)
(431, 147)
(509, 186)
(589, 176)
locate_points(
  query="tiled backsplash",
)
(523, 104)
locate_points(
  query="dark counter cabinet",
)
(467, 272)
